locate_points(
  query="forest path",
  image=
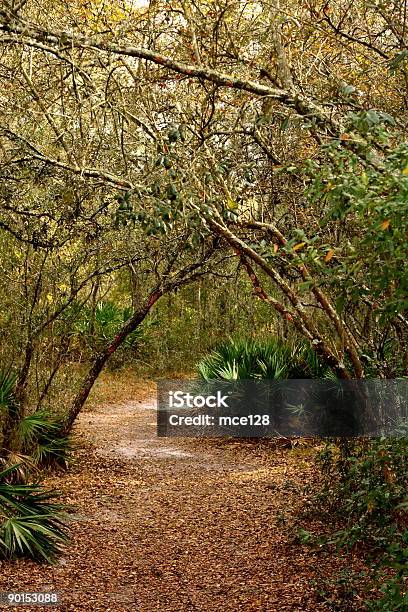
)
(177, 525)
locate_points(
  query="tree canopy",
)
(190, 136)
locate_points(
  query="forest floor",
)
(182, 525)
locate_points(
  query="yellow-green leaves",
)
(231, 204)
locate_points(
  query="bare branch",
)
(301, 104)
(85, 171)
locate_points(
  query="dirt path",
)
(177, 525)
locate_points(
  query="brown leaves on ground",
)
(176, 525)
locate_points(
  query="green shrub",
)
(365, 484)
(270, 359)
(90, 329)
(41, 439)
(30, 521)
(8, 406)
(7, 386)
(40, 443)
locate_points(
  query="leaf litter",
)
(176, 525)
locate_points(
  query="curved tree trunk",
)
(127, 328)
(184, 276)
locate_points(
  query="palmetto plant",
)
(8, 406)
(7, 399)
(248, 359)
(96, 327)
(7, 386)
(302, 406)
(42, 441)
(108, 317)
(35, 425)
(31, 522)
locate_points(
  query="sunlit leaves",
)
(98, 15)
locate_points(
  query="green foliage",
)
(371, 200)
(338, 591)
(395, 595)
(388, 352)
(366, 481)
(244, 359)
(185, 326)
(398, 61)
(41, 439)
(108, 319)
(92, 328)
(365, 484)
(7, 402)
(34, 425)
(30, 521)
(7, 385)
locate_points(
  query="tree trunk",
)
(11, 441)
(131, 324)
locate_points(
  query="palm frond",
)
(42, 441)
(249, 359)
(32, 426)
(31, 522)
(7, 386)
